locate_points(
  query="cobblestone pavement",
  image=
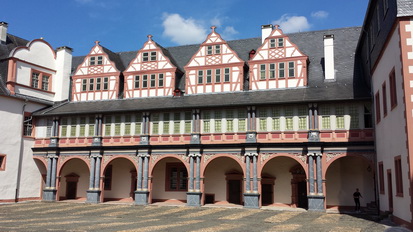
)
(60, 216)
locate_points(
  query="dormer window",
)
(40, 80)
(35, 79)
(96, 60)
(148, 56)
(45, 82)
(279, 43)
(216, 49)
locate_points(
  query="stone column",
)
(94, 191)
(319, 174)
(191, 173)
(198, 173)
(247, 174)
(315, 200)
(315, 117)
(54, 133)
(193, 196)
(49, 193)
(310, 116)
(92, 173)
(97, 172)
(251, 198)
(311, 173)
(254, 173)
(141, 194)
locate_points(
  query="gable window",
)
(200, 77)
(217, 49)
(105, 83)
(153, 56)
(281, 70)
(393, 93)
(217, 75)
(45, 82)
(98, 83)
(145, 81)
(91, 84)
(2, 162)
(399, 178)
(40, 80)
(160, 80)
(280, 42)
(262, 71)
(176, 177)
(145, 56)
(96, 60)
(291, 69)
(136, 82)
(226, 74)
(27, 125)
(272, 43)
(209, 50)
(209, 76)
(153, 80)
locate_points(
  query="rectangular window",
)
(49, 125)
(92, 61)
(384, 92)
(160, 80)
(136, 82)
(108, 178)
(340, 117)
(291, 69)
(206, 121)
(325, 117)
(354, 116)
(118, 121)
(263, 120)
(262, 71)
(218, 121)
(209, 76)
(127, 126)
(272, 43)
(153, 80)
(209, 50)
(302, 118)
(399, 178)
(35, 79)
(165, 123)
(153, 56)
(188, 122)
(96, 60)
(73, 127)
(281, 70)
(381, 178)
(176, 177)
(98, 83)
(393, 93)
(45, 82)
(145, 81)
(145, 57)
(100, 60)
(155, 123)
(2, 162)
(177, 123)
(280, 42)
(368, 121)
(27, 125)
(108, 125)
(230, 120)
(377, 104)
(91, 84)
(217, 75)
(105, 83)
(226, 75)
(91, 131)
(84, 85)
(217, 49)
(63, 127)
(200, 77)
(138, 124)
(275, 113)
(272, 71)
(242, 120)
(289, 122)
(82, 127)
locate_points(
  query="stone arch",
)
(67, 186)
(208, 158)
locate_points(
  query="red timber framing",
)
(150, 74)
(278, 63)
(96, 78)
(215, 67)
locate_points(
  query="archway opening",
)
(343, 176)
(223, 182)
(119, 182)
(283, 183)
(169, 181)
(41, 176)
(73, 180)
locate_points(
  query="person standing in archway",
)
(356, 196)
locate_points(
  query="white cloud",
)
(229, 33)
(292, 23)
(183, 31)
(319, 14)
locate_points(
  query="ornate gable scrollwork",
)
(331, 156)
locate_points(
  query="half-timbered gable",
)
(214, 68)
(151, 73)
(97, 77)
(278, 63)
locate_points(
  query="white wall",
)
(121, 179)
(80, 168)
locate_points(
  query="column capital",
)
(52, 156)
(96, 155)
(251, 154)
(143, 155)
(194, 154)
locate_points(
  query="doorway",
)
(234, 188)
(71, 185)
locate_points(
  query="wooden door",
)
(71, 188)
(267, 194)
(234, 191)
(302, 194)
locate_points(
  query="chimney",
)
(3, 32)
(329, 71)
(61, 83)
(266, 31)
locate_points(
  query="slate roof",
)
(349, 84)
(404, 8)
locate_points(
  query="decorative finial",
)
(276, 26)
(213, 28)
(149, 37)
(97, 42)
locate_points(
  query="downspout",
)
(19, 168)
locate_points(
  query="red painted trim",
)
(28, 47)
(3, 163)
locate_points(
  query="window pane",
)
(137, 79)
(160, 80)
(217, 75)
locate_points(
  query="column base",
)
(93, 196)
(251, 200)
(193, 198)
(141, 197)
(49, 194)
(316, 203)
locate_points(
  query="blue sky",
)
(123, 25)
